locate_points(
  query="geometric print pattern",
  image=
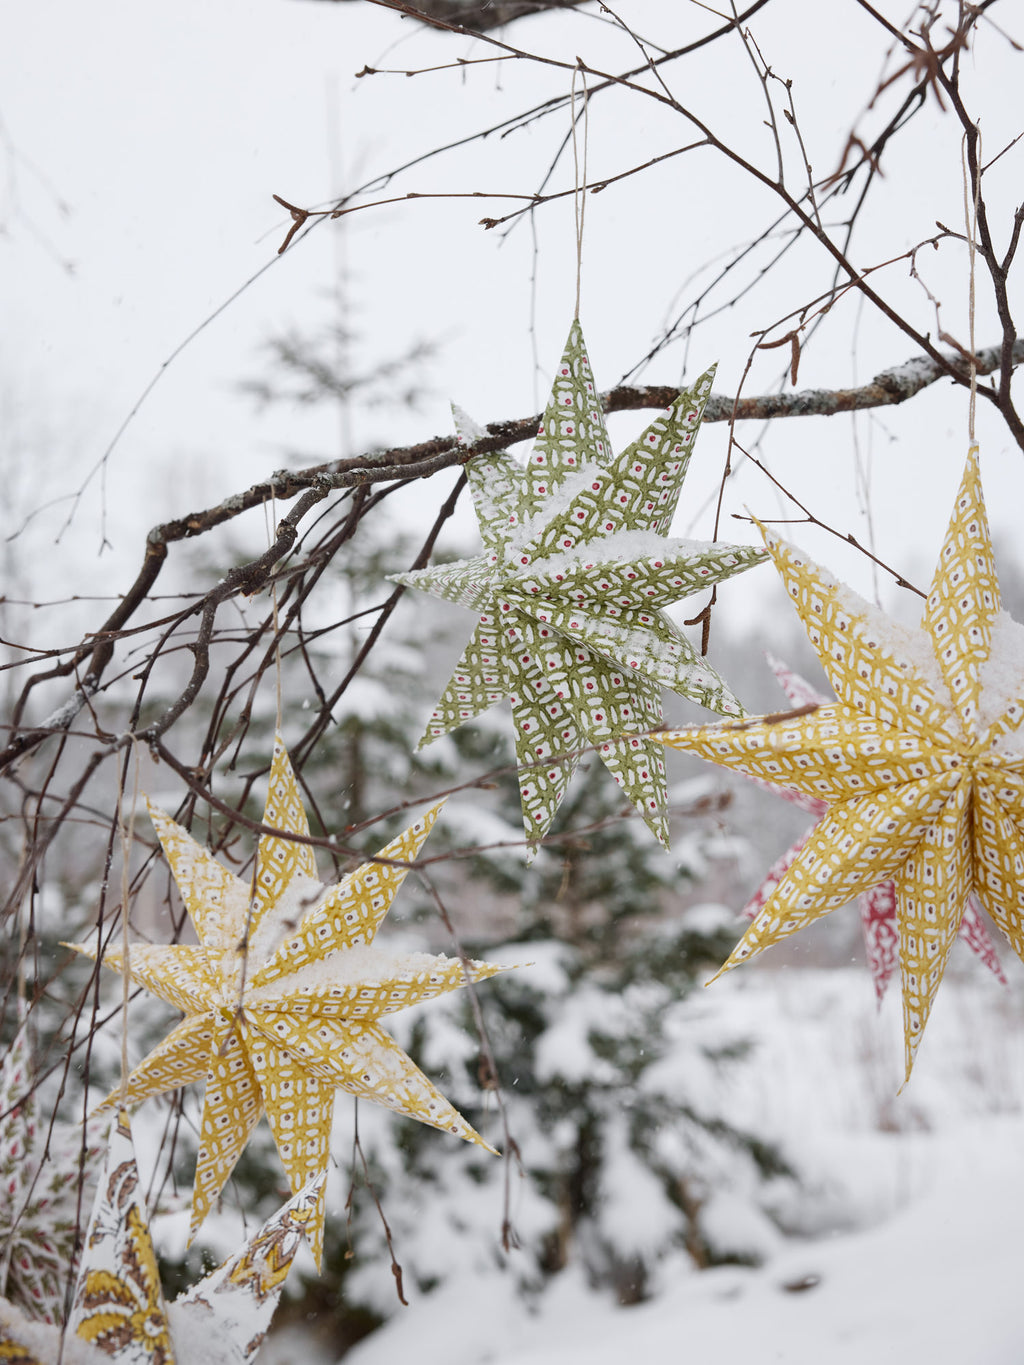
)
(920, 761)
(569, 588)
(878, 904)
(282, 995)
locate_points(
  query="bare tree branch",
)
(479, 15)
(404, 464)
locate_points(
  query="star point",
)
(569, 589)
(280, 1026)
(919, 762)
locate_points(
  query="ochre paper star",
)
(878, 904)
(575, 569)
(921, 759)
(283, 997)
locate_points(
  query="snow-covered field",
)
(937, 1282)
(901, 1242)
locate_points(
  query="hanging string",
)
(971, 224)
(126, 828)
(580, 191)
(272, 522)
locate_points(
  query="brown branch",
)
(795, 208)
(809, 519)
(478, 15)
(887, 389)
(420, 562)
(997, 268)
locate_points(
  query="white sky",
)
(165, 130)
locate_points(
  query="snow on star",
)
(878, 917)
(119, 1312)
(921, 759)
(575, 569)
(283, 997)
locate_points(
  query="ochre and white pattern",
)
(877, 904)
(575, 568)
(282, 997)
(920, 761)
(119, 1307)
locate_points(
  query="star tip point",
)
(432, 812)
(911, 1054)
(725, 967)
(483, 971)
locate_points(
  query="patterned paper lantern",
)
(575, 569)
(119, 1314)
(284, 995)
(878, 904)
(42, 1167)
(920, 761)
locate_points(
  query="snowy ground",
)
(903, 1242)
(938, 1282)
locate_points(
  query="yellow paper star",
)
(283, 997)
(921, 760)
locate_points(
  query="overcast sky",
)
(142, 144)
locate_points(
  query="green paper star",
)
(575, 568)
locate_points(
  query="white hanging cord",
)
(271, 523)
(126, 828)
(971, 223)
(580, 190)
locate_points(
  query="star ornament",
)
(42, 1166)
(877, 904)
(119, 1313)
(284, 995)
(920, 759)
(575, 569)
